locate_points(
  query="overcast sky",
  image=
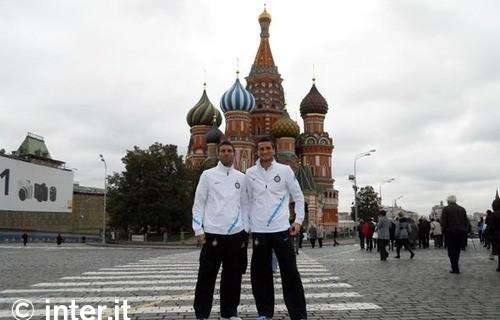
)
(417, 80)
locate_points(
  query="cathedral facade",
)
(259, 109)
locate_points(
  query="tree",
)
(368, 206)
(155, 191)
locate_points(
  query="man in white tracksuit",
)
(269, 187)
(219, 223)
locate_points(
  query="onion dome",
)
(496, 203)
(313, 102)
(237, 98)
(213, 135)
(264, 16)
(285, 127)
(203, 113)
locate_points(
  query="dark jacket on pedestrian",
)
(403, 228)
(392, 229)
(454, 219)
(495, 228)
(313, 233)
(383, 227)
(495, 232)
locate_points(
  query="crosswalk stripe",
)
(177, 272)
(168, 276)
(251, 308)
(242, 309)
(160, 288)
(161, 298)
(184, 269)
(171, 281)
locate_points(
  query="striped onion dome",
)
(237, 98)
(285, 127)
(203, 113)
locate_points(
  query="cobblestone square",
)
(340, 282)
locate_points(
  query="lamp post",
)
(105, 193)
(354, 179)
(380, 188)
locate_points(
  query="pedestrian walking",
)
(220, 222)
(270, 186)
(403, 230)
(25, 239)
(384, 235)
(423, 233)
(495, 229)
(313, 235)
(335, 235)
(392, 234)
(455, 225)
(59, 239)
(360, 234)
(488, 231)
(437, 233)
(368, 229)
(480, 226)
(321, 235)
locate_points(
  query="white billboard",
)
(25, 186)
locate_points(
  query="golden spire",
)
(314, 75)
(265, 15)
(204, 79)
(238, 68)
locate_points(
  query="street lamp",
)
(380, 188)
(354, 179)
(105, 193)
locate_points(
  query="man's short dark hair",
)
(382, 212)
(225, 143)
(266, 139)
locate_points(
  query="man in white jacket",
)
(219, 223)
(269, 187)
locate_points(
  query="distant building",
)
(437, 211)
(393, 212)
(38, 194)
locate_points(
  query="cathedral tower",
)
(264, 81)
(237, 104)
(315, 147)
(200, 118)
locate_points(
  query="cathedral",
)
(259, 109)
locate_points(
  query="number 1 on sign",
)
(5, 174)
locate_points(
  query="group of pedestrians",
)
(489, 230)
(230, 205)
(450, 232)
(25, 237)
(400, 229)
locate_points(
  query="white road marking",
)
(161, 288)
(180, 297)
(149, 275)
(242, 309)
(171, 281)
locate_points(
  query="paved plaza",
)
(340, 282)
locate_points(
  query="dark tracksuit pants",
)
(403, 243)
(262, 275)
(217, 250)
(454, 242)
(382, 245)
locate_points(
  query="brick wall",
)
(86, 217)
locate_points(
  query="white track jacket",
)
(220, 202)
(269, 195)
